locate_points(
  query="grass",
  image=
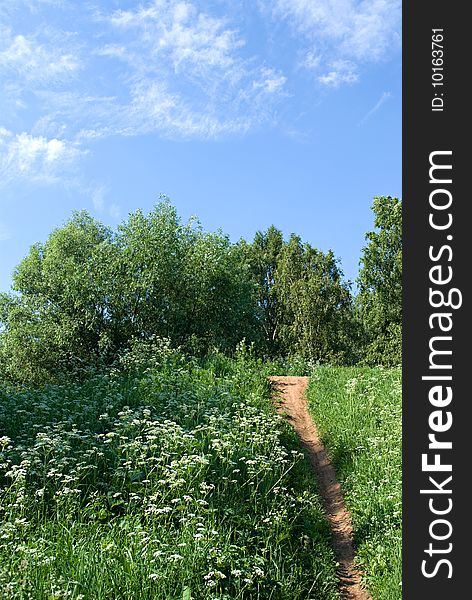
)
(358, 413)
(161, 479)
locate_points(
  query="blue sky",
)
(245, 113)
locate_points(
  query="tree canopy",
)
(380, 284)
(89, 292)
(305, 302)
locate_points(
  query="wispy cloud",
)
(98, 195)
(187, 75)
(175, 68)
(34, 158)
(339, 72)
(34, 64)
(25, 58)
(178, 71)
(183, 33)
(341, 32)
(383, 98)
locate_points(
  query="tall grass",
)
(161, 479)
(358, 412)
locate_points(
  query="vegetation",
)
(380, 285)
(140, 456)
(87, 292)
(358, 413)
(161, 479)
(306, 304)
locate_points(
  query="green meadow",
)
(167, 480)
(358, 413)
(141, 454)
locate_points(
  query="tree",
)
(148, 273)
(304, 302)
(180, 282)
(58, 311)
(262, 257)
(221, 296)
(87, 292)
(315, 303)
(380, 284)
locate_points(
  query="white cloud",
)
(165, 67)
(179, 30)
(24, 57)
(112, 51)
(339, 72)
(350, 31)
(98, 197)
(270, 81)
(35, 158)
(154, 108)
(176, 68)
(383, 98)
(186, 75)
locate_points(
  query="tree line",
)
(88, 292)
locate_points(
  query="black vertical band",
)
(437, 361)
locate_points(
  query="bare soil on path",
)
(291, 393)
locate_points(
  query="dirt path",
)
(294, 405)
